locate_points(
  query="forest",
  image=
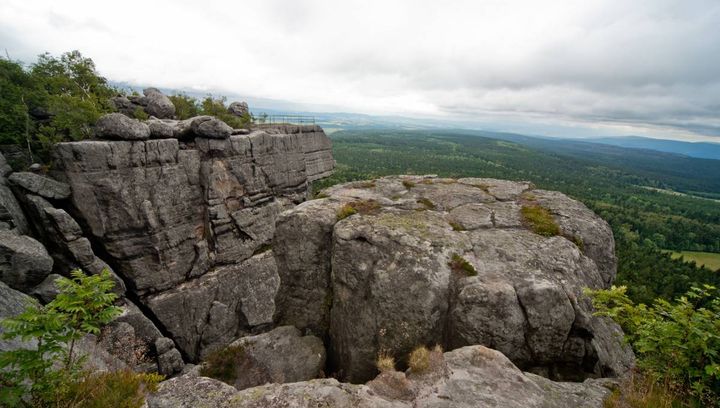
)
(651, 207)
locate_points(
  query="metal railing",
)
(265, 119)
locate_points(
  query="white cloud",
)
(646, 66)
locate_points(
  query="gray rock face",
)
(158, 104)
(24, 262)
(171, 215)
(209, 312)
(64, 239)
(239, 108)
(385, 275)
(116, 126)
(160, 129)
(40, 185)
(469, 377)
(279, 356)
(12, 303)
(11, 215)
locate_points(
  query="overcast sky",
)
(572, 68)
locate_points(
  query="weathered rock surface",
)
(384, 275)
(24, 262)
(40, 185)
(210, 127)
(11, 215)
(47, 289)
(281, 355)
(239, 108)
(170, 215)
(158, 105)
(64, 239)
(12, 303)
(116, 126)
(468, 377)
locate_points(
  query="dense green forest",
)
(637, 191)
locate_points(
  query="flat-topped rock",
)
(116, 126)
(392, 263)
(469, 377)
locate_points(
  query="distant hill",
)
(700, 149)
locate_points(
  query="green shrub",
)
(140, 114)
(676, 343)
(540, 220)
(461, 265)
(346, 211)
(223, 364)
(186, 107)
(34, 377)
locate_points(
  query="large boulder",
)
(116, 126)
(158, 104)
(468, 377)
(239, 109)
(210, 127)
(40, 185)
(278, 356)
(452, 262)
(24, 262)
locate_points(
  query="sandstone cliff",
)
(212, 241)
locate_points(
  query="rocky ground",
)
(212, 242)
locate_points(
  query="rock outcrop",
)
(451, 262)
(194, 216)
(472, 376)
(281, 355)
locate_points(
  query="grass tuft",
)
(456, 226)
(461, 265)
(540, 220)
(419, 359)
(385, 362)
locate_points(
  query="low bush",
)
(677, 344)
(52, 374)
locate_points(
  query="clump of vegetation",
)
(117, 389)
(578, 242)
(50, 101)
(429, 205)
(676, 343)
(408, 184)
(346, 211)
(456, 226)
(358, 207)
(461, 265)
(223, 364)
(186, 107)
(640, 391)
(419, 359)
(52, 373)
(540, 220)
(140, 114)
(385, 362)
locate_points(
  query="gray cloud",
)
(645, 67)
